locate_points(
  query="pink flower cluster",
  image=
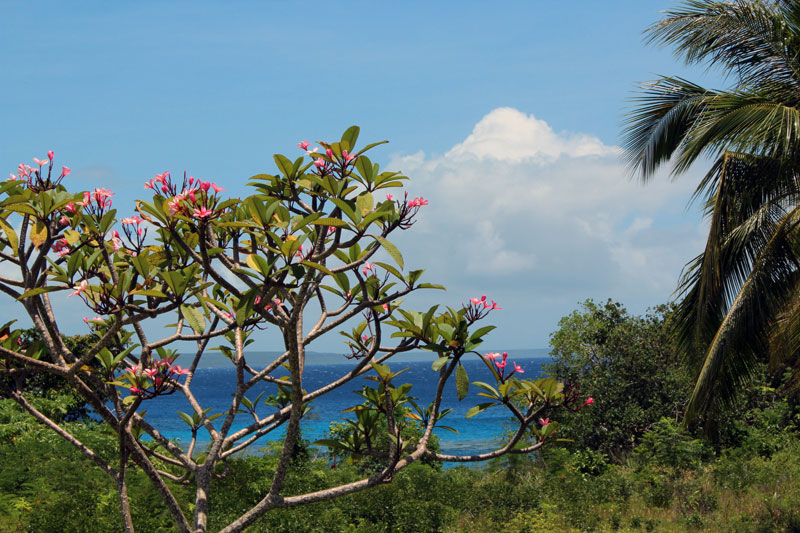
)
(324, 164)
(193, 200)
(501, 365)
(134, 233)
(483, 302)
(418, 202)
(276, 303)
(34, 176)
(479, 308)
(61, 247)
(95, 203)
(156, 379)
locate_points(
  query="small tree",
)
(299, 255)
(630, 363)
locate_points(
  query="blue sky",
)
(506, 116)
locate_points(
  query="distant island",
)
(215, 359)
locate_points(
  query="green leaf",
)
(10, 234)
(392, 250)
(186, 418)
(194, 317)
(462, 382)
(365, 202)
(286, 167)
(479, 333)
(485, 386)
(481, 407)
(439, 363)
(148, 292)
(38, 234)
(349, 138)
(321, 268)
(39, 290)
(328, 221)
(364, 166)
(347, 210)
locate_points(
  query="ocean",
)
(214, 387)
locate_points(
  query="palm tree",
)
(740, 298)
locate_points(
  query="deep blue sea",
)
(214, 387)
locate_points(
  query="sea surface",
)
(214, 387)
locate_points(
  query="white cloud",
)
(506, 134)
(546, 219)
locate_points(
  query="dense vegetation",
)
(629, 465)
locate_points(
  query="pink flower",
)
(116, 242)
(303, 145)
(136, 390)
(364, 338)
(65, 171)
(79, 288)
(518, 369)
(389, 197)
(347, 157)
(492, 356)
(60, 245)
(191, 196)
(191, 180)
(386, 307)
(100, 196)
(51, 154)
(203, 212)
(132, 220)
(149, 185)
(589, 401)
(175, 204)
(369, 267)
(205, 185)
(544, 421)
(319, 163)
(179, 371)
(150, 372)
(40, 162)
(500, 364)
(329, 152)
(64, 221)
(217, 190)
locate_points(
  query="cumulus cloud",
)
(547, 219)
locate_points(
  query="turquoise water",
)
(214, 387)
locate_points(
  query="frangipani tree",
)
(299, 255)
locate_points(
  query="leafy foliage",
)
(628, 364)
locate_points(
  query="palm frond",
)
(750, 40)
(755, 123)
(664, 114)
(740, 341)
